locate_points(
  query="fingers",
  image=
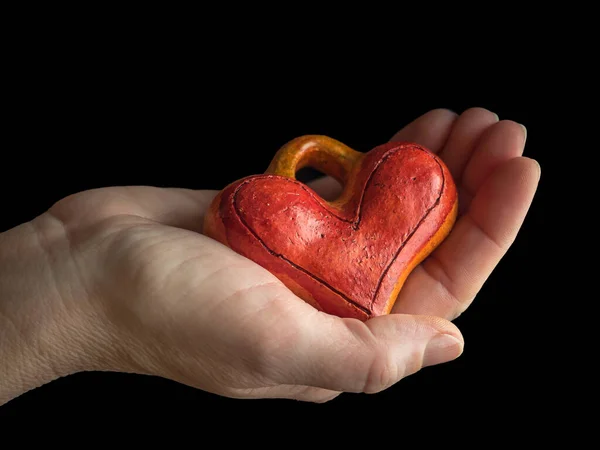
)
(177, 207)
(327, 187)
(347, 355)
(463, 139)
(501, 142)
(451, 277)
(181, 208)
(430, 130)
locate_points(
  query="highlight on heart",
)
(348, 257)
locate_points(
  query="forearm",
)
(33, 348)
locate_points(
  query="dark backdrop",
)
(77, 123)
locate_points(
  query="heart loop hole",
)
(321, 153)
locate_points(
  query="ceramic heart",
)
(349, 257)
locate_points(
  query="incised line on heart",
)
(355, 224)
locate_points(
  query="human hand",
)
(496, 186)
(138, 289)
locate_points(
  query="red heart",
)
(351, 258)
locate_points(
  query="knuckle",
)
(379, 365)
(262, 358)
(413, 363)
(382, 373)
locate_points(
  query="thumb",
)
(353, 356)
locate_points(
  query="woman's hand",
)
(121, 279)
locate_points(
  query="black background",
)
(84, 118)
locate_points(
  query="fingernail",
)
(524, 134)
(497, 118)
(442, 348)
(539, 170)
(449, 110)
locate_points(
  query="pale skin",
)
(120, 279)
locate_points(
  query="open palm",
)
(177, 304)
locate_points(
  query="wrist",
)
(43, 309)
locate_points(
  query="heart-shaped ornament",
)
(348, 257)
